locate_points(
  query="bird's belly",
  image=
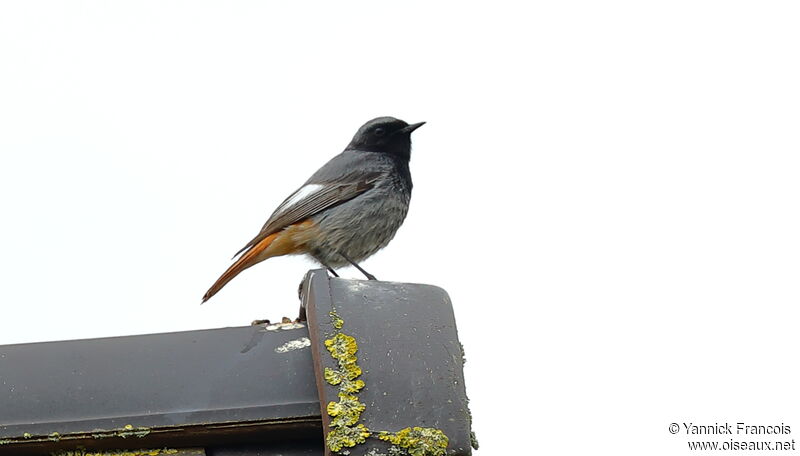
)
(356, 229)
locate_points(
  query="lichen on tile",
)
(346, 431)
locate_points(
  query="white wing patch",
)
(301, 194)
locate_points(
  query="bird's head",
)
(385, 134)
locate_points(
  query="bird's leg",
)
(316, 255)
(366, 274)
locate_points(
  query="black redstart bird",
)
(348, 210)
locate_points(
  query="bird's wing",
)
(311, 199)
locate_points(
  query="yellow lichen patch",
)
(349, 372)
(351, 386)
(336, 320)
(418, 441)
(346, 436)
(334, 377)
(343, 348)
(347, 411)
(345, 378)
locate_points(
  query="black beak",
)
(412, 127)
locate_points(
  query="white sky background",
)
(607, 190)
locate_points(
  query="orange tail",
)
(250, 258)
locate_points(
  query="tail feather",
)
(251, 257)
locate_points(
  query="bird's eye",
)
(380, 132)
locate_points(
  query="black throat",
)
(399, 148)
